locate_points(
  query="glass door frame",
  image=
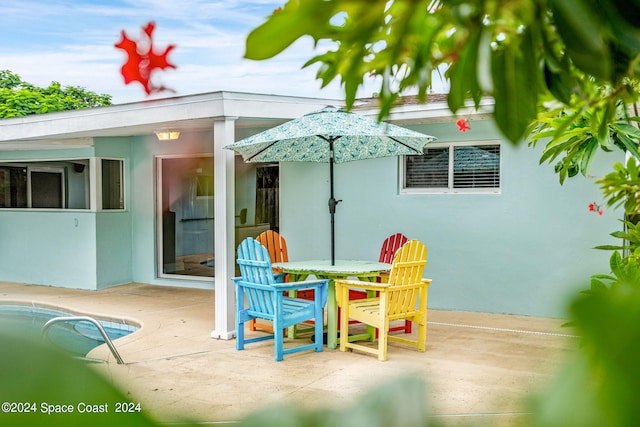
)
(159, 218)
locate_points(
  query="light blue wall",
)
(69, 153)
(54, 248)
(523, 251)
(69, 248)
(48, 248)
(114, 228)
(113, 249)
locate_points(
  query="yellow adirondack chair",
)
(277, 247)
(403, 297)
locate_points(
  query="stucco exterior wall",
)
(524, 251)
(48, 248)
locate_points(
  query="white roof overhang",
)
(77, 128)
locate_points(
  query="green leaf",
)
(582, 33)
(617, 264)
(611, 247)
(598, 285)
(282, 28)
(603, 129)
(462, 80)
(559, 146)
(514, 86)
(558, 83)
(621, 235)
(629, 144)
(627, 129)
(590, 148)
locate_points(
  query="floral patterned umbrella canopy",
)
(334, 136)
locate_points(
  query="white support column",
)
(224, 213)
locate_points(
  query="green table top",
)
(341, 267)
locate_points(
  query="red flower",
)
(594, 207)
(142, 60)
(463, 126)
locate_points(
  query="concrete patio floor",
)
(479, 368)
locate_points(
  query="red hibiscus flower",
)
(463, 126)
(143, 60)
(594, 207)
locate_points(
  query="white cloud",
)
(72, 41)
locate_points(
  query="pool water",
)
(77, 337)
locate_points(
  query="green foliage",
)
(599, 384)
(575, 134)
(560, 71)
(19, 98)
(622, 186)
(41, 381)
(399, 402)
(630, 237)
(521, 52)
(625, 273)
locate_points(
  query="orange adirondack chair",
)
(403, 297)
(277, 247)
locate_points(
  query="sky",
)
(72, 42)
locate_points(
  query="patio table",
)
(322, 269)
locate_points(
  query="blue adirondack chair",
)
(260, 295)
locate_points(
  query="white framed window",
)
(457, 167)
(94, 183)
(37, 185)
(111, 178)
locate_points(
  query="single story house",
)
(102, 197)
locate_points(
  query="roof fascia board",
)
(213, 105)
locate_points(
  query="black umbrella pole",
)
(332, 205)
(333, 243)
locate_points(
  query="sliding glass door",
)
(185, 216)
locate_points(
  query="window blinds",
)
(455, 166)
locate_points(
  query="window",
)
(33, 185)
(112, 189)
(13, 186)
(62, 184)
(453, 168)
(47, 187)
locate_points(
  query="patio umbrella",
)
(333, 136)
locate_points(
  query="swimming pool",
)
(77, 338)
